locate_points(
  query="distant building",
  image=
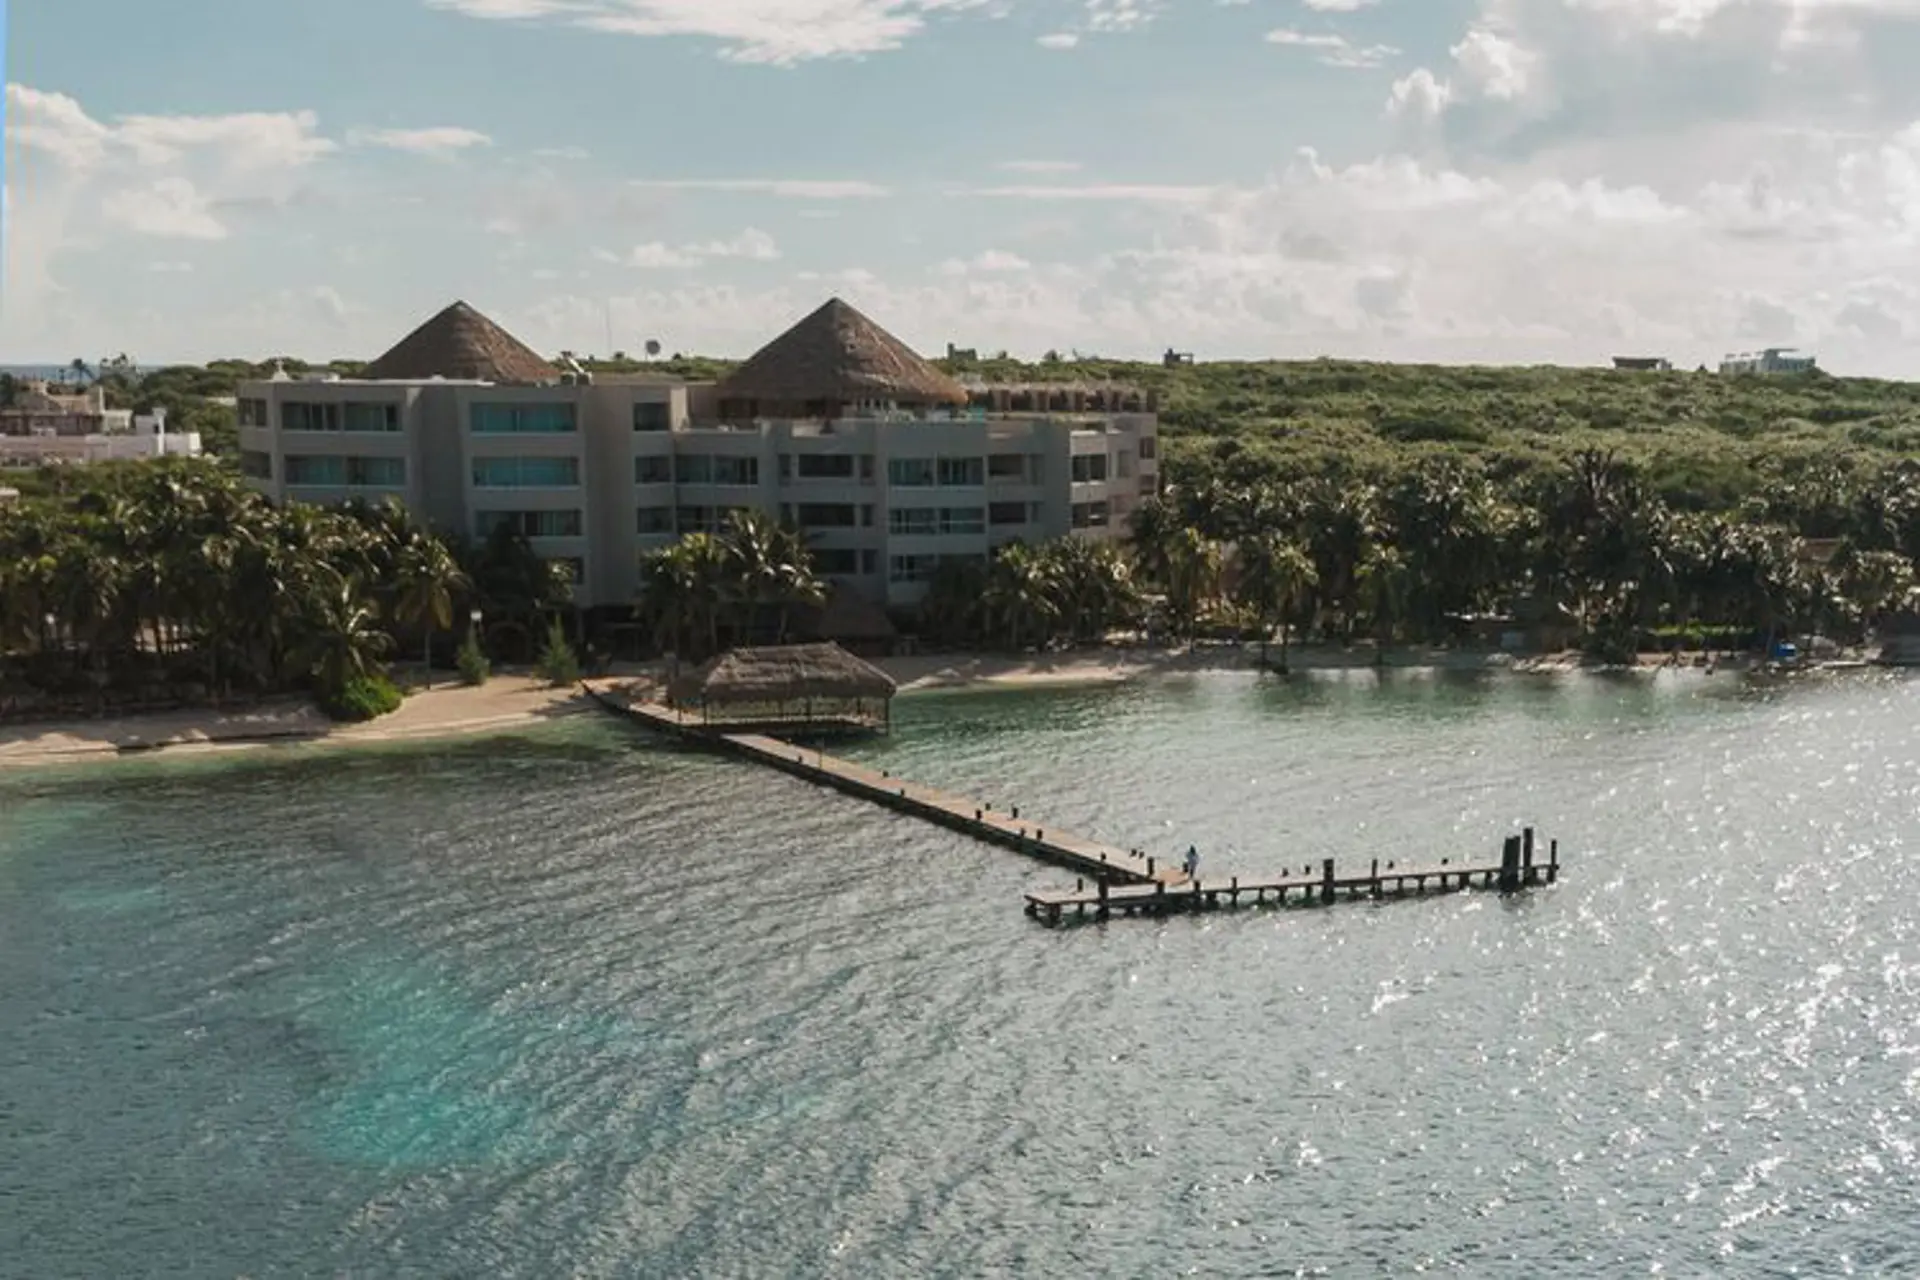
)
(38, 409)
(45, 427)
(147, 438)
(1644, 364)
(1771, 361)
(969, 354)
(1175, 358)
(888, 466)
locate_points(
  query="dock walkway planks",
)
(1002, 827)
(1516, 870)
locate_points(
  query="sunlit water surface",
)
(572, 1003)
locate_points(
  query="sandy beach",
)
(452, 710)
(446, 711)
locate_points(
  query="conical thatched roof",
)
(460, 343)
(838, 355)
(786, 673)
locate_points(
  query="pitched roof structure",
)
(782, 674)
(461, 344)
(839, 356)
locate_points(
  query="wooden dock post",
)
(1553, 861)
(1526, 856)
(1510, 865)
(1326, 880)
(1375, 886)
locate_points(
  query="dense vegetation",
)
(1343, 501)
(169, 582)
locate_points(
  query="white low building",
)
(1774, 360)
(146, 436)
(886, 464)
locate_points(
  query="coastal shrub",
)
(361, 698)
(558, 664)
(472, 661)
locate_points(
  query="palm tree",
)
(426, 578)
(1275, 574)
(344, 639)
(1193, 578)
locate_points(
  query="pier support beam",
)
(1510, 865)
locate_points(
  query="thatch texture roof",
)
(460, 343)
(839, 356)
(786, 673)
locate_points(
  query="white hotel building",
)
(885, 463)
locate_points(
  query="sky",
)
(1500, 181)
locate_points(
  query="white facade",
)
(600, 473)
(1772, 360)
(147, 437)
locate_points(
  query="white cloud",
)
(439, 142)
(787, 188)
(989, 262)
(779, 32)
(172, 208)
(751, 245)
(1040, 166)
(1333, 50)
(1058, 40)
(1137, 192)
(1339, 6)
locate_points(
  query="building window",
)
(1089, 515)
(1007, 466)
(299, 415)
(911, 568)
(526, 473)
(824, 466)
(696, 520)
(655, 468)
(372, 417)
(959, 520)
(840, 560)
(253, 413)
(866, 468)
(256, 464)
(911, 521)
(693, 468)
(1123, 464)
(654, 520)
(963, 473)
(522, 419)
(786, 466)
(334, 471)
(869, 562)
(1089, 468)
(1001, 514)
(910, 473)
(736, 471)
(827, 515)
(529, 524)
(649, 416)
(1147, 447)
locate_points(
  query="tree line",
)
(133, 584)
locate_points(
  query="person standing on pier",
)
(1193, 861)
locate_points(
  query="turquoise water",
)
(571, 1003)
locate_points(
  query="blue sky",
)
(1497, 180)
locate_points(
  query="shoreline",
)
(510, 701)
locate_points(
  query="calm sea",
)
(574, 1004)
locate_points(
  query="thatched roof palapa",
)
(461, 344)
(838, 356)
(784, 673)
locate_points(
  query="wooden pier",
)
(1517, 869)
(1112, 879)
(1005, 827)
